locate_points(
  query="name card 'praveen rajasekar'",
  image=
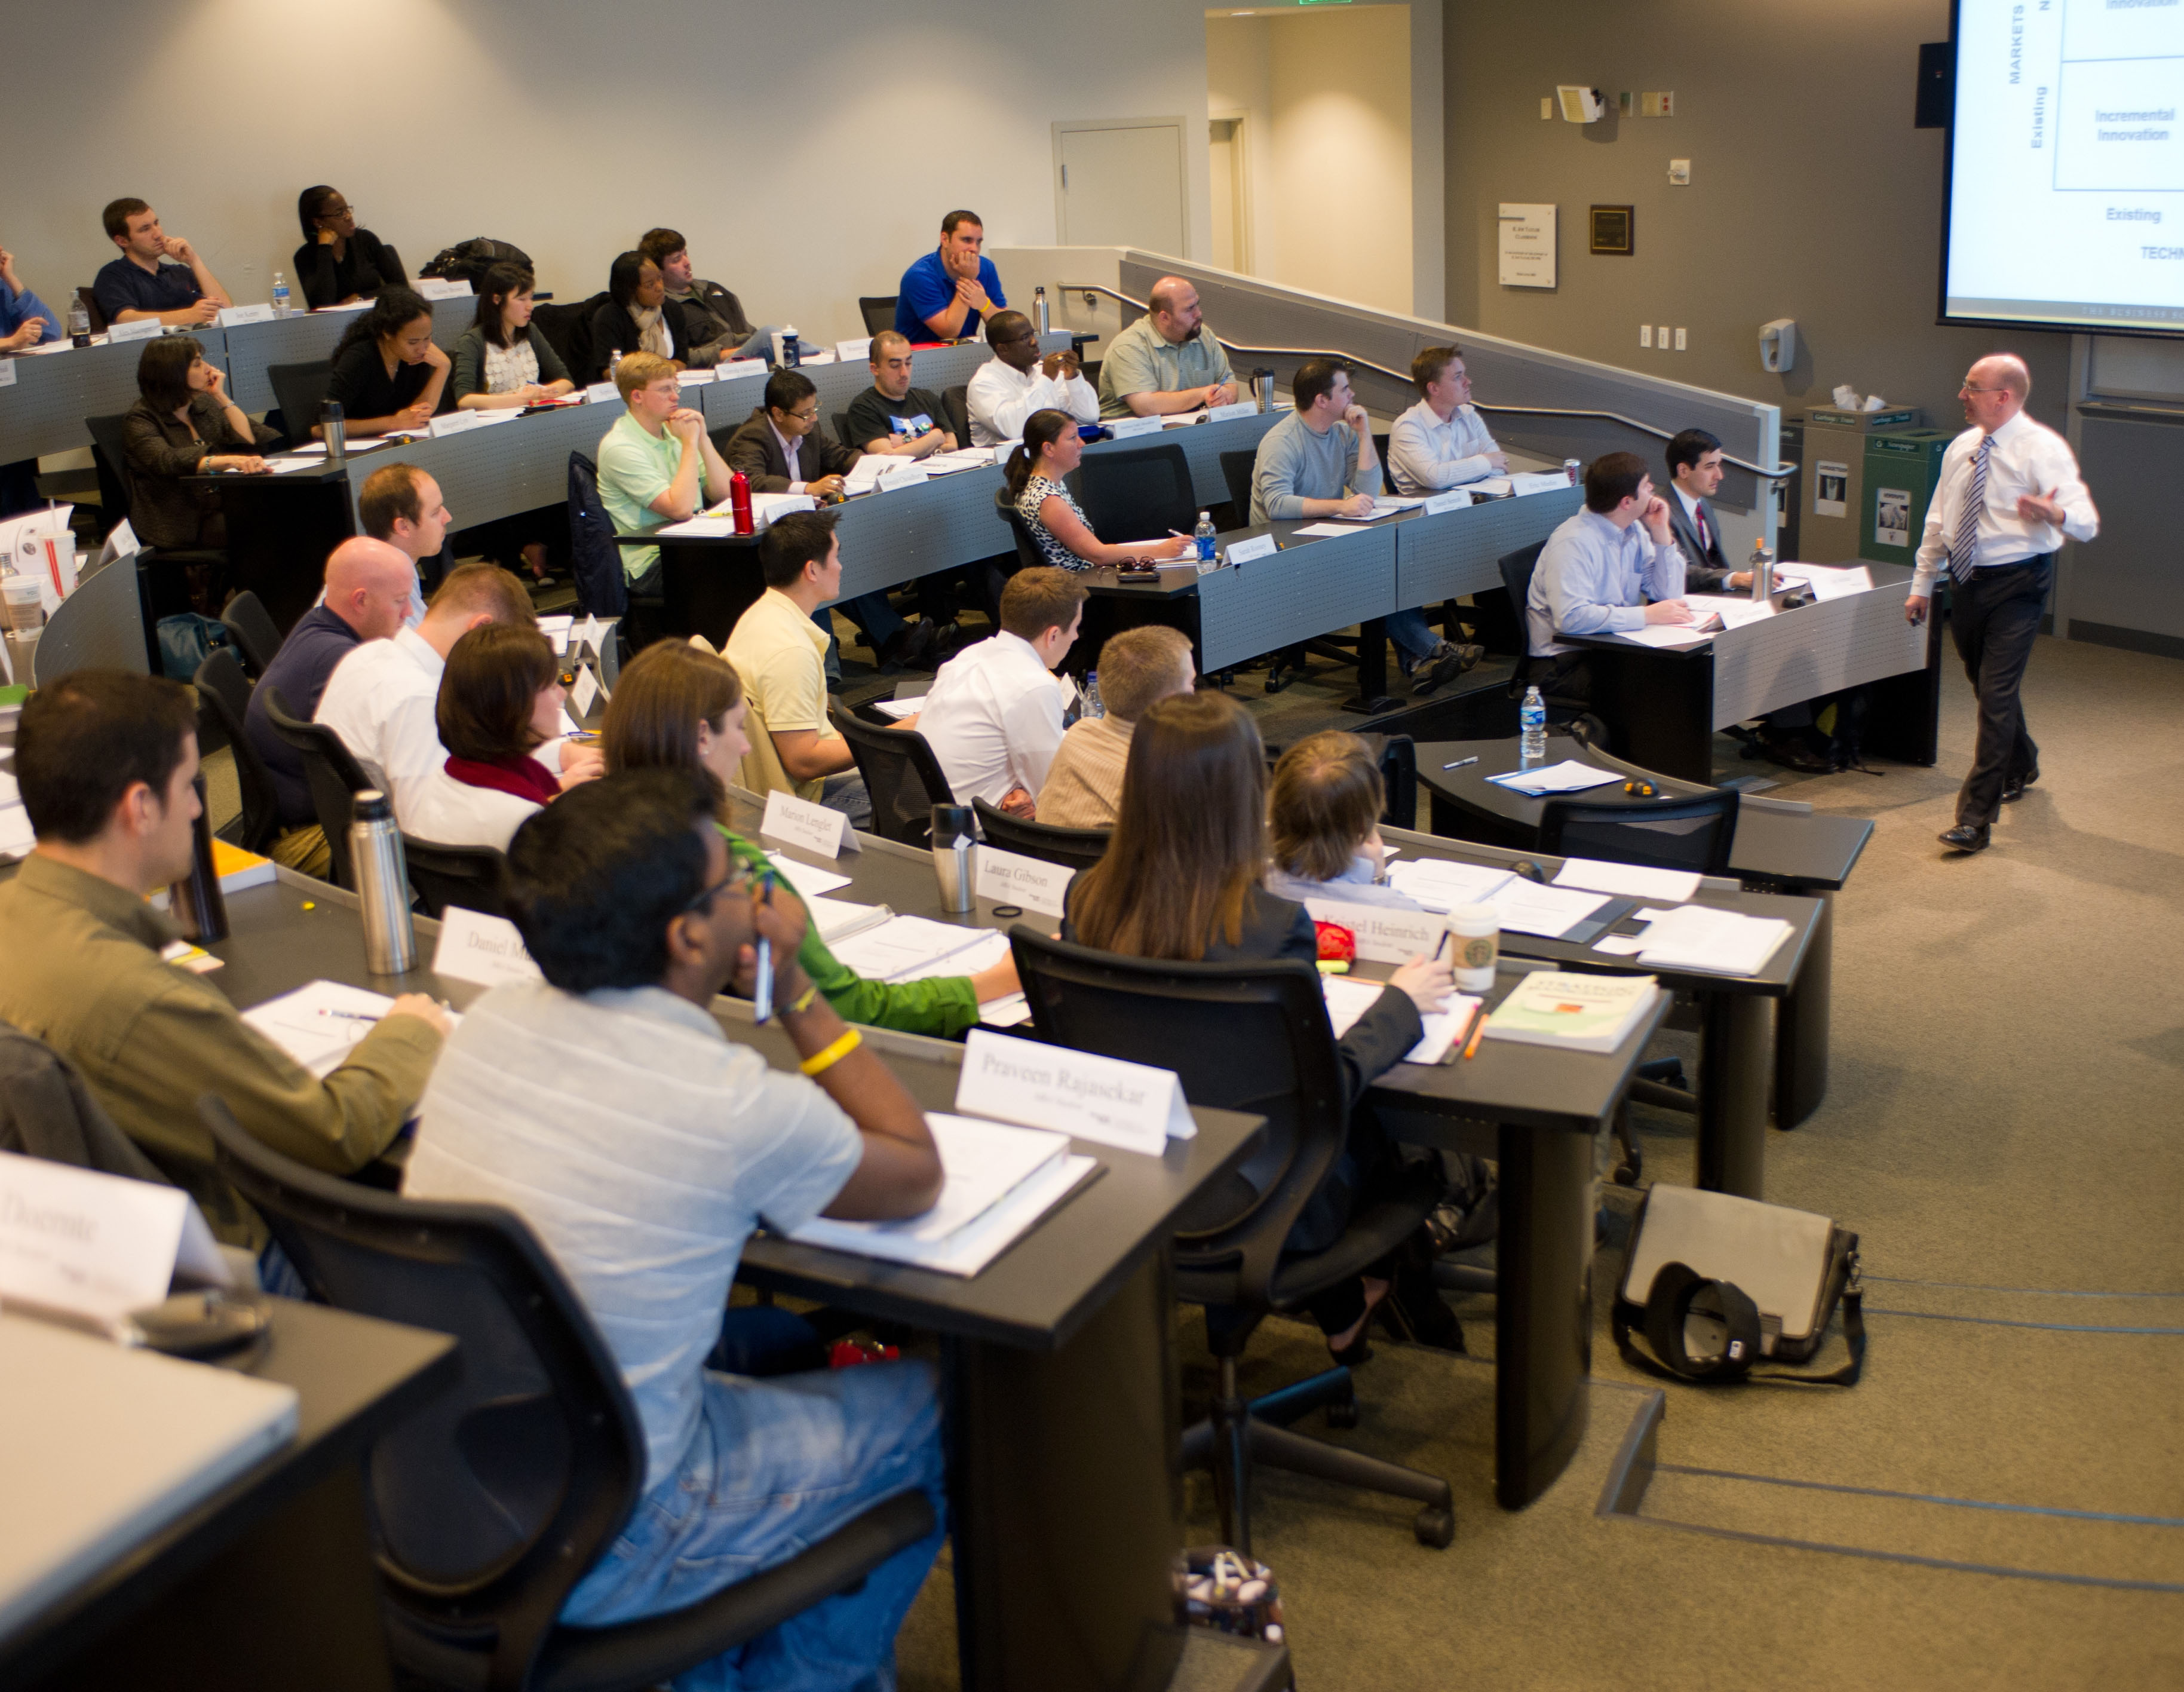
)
(1008, 878)
(803, 824)
(476, 947)
(1385, 936)
(1133, 1106)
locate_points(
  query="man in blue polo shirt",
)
(136, 285)
(945, 293)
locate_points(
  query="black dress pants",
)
(1993, 619)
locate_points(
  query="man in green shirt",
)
(656, 463)
(107, 764)
(1168, 360)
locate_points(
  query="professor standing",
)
(2009, 492)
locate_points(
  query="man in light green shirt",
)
(1168, 360)
(653, 462)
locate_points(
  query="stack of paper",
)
(320, 1023)
(999, 1179)
(1733, 610)
(1439, 884)
(1636, 880)
(1350, 998)
(1697, 937)
(963, 458)
(838, 919)
(808, 882)
(1491, 488)
(1826, 582)
(1667, 634)
(1521, 907)
(1526, 908)
(1569, 776)
(912, 948)
(900, 708)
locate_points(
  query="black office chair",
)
(1564, 711)
(878, 311)
(1027, 552)
(1252, 1037)
(470, 877)
(90, 299)
(956, 402)
(842, 431)
(163, 572)
(1689, 832)
(1072, 848)
(299, 390)
(223, 700)
(333, 775)
(251, 627)
(489, 1503)
(1236, 472)
(901, 774)
(1141, 495)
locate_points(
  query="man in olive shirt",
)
(1168, 360)
(107, 761)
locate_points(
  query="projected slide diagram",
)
(2118, 91)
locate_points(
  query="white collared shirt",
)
(1425, 454)
(451, 812)
(1700, 526)
(993, 719)
(2026, 458)
(791, 455)
(1000, 398)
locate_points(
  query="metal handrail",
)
(1779, 473)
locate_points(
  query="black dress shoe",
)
(910, 649)
(1965, 837)
(2014, 789)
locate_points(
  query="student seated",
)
(994, 717)
(135, 286)
(184, 424)
(367, 600)
(107, 761)
(1168, 360)
(1138, 668)
(713, 321)
(1612, 567)
(678, 707)
(1016, 382)
(387, 373)
(338, 262)
(502, 361)
(943, 295)
(383, 697)
(638, 317)
(636, 914)
(780, 653)
(891, 417)
(1324, 811)
(1440, 441)
(500, 701)
(1050, 449)
(657, 463)
(401, 505)
(1184, 879)
(25, 321)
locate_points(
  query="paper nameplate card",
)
(476, 947)
(693, 378)
(1240, 408)
(232, 317)
(1123, 427)
(602, 393)
(1538, 482)
(143, 329)
(1384, 935)
(442, 288)
(1258, 546)
(7, 372)
(729, 369)
(588, 633)
(1008, 878)
(803, 824)
(584, 693)
(455, 422)
(95, 1246)
(1455, 499)
(1130, 1105)
(850, 351)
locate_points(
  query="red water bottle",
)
(739, 501)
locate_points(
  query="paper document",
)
(1734, 612)
(810, 882)
(1619, 945)
(837, 919)
(1439, 884)
(282, 466)
(1011, 1010)
(1635, 881)
(1526, 908)
(1328, 529)
(1349, 997)
(705, 528)
(1383, 507)
(1826, 583)
(356, 443)
(900, 708)
(320, 1023)
(1667, 634)
(963, 458)
(911, 948)
(1569, 776)
(1698, 937)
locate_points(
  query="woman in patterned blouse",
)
(1048, 451)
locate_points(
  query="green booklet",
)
(1581, 1012)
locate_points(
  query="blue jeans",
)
(1413, 636)
(775, 1466)
(870, 612)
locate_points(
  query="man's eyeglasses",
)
(738, 880)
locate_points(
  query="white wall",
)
(569, 129)
(1328, 98)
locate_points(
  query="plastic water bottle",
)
(614, 358)
(79, 321)
(1205, 538)
(1092, 704)
(1532, 724)
(280, 295)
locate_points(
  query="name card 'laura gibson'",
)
(1130, 1105)
(1008, 878)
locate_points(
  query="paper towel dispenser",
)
(1778, 344)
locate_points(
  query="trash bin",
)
(1832, 487)
(1902, 470)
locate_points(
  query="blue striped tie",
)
(1966, 547)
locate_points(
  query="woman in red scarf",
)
(500, 701)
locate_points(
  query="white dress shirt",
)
(993, 719)
(2026, 458)
(451, 812)
(791, 453)
(1000, 398)
(1425, 454)
(382, 699)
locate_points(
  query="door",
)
(1228, 194)
(1118, 182)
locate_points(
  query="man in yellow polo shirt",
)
(654, 460)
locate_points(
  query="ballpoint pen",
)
(1460, 763)
(762, 989)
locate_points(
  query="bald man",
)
(367, 598)
(1168, 360)
(2010, 491)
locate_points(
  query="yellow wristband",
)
(820, 1062)
(804, 1000)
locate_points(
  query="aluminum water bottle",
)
(1205, 537)
(335, 431)
(1762, 571)
(79, 321)
(280, 295)
(1532, 727)
(1038, 314)
(382, 886)
(739, 501)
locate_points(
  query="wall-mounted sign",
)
(1614, 229)
(1527, 243)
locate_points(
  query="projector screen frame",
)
(1945, 319)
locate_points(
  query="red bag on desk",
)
(1337, 944)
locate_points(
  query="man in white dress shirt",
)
(994, 717)
(1016, 382)
(382, 696)
(2010, 491)
(1440, 442)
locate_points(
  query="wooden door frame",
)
(1062, 126)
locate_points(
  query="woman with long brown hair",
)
(676, 707)
(1184, 879)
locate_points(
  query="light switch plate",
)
(1679, 172)
(1547, 107)
(1679, 338)
(1645, 334)
(1662, 338)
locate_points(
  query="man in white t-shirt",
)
(994, 717)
